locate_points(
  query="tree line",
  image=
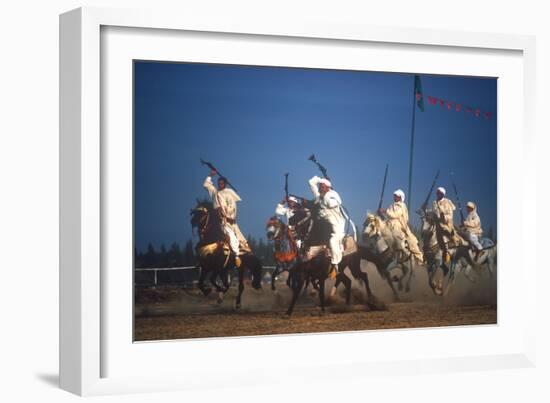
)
(179, 256)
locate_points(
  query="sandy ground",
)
(176, 314)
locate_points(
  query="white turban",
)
(471, 205)
(400, 193)
(292, 198)
(442, 190)
(326, 182)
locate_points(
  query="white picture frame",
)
(85, 345)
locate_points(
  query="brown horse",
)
(215, 257)
(315, 234)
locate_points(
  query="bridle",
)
(204, 220)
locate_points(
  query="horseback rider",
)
(225, 201)
(287, 212)
(398, 220)
(445, 232)
(330, 210)
(293, 205)
(471, 228)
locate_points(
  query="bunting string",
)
(454, 106)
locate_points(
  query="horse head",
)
(201, 213)
(371, 226)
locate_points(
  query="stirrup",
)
(237, 261)
(332, 271)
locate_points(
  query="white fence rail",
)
(157, 270)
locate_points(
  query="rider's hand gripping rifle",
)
(209, 165)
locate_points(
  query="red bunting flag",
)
(419, 96)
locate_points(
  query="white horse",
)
(466, 261)
(441, 274)
(389, 254)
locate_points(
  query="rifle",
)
(209, 165)
(425, 204)
(458, 202)
(286, 187)
(321, 168)
(383, 188)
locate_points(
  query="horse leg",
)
(322, 292)
(339, 279)
(202, 277)
(274, 276)
(372, 301)
(241, 289)
(411, 272)
(392, 286)
(214, 282)
(347, 283)
(297, 284)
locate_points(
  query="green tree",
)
(188, 254)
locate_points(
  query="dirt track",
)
(177, 314)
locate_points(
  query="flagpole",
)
(412, 144)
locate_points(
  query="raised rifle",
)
(321, 168)
(458, 202)
(209, 165)
(425, 204)
(383, 188)
(286, 187)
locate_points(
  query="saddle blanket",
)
(348, 244)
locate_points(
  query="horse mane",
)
(205, 203)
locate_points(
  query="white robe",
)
(226, 200)
(331, 211)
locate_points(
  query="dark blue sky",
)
(256, 123)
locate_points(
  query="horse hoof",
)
(376, 305)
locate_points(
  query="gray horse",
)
(466, 262)
(441, 274)
(391, 256)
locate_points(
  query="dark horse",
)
(216, 259)
(314, 234)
